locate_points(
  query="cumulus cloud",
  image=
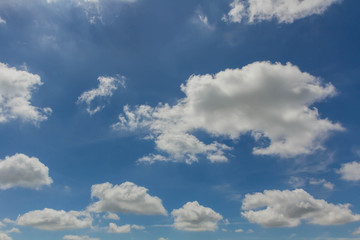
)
(322, 182)
(112, 216)
(350, 171)
(4, 236)
(16, 89)
(283, 11)
(125, 198)
(194, 217)
(53, 220)
(20, 170)
(275, 208)
(269, 101)
(76, 237)
(113, 228)
(105, 89)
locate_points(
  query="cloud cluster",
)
(20, 170)
(76, 237)
(284, 11)
(113, 228)
(350, 171)
(275, 208)
(125, 198)
(194, 217)
(268, 101)
(16, 89)
(106, 88)
(54, 220)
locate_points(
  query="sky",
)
(173, 120)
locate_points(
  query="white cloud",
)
(76, 237)
(350, 171)
(163, 238)
(284, 11)
(275, 208)
(322, 182)
(53, 220)
(112, 216)
(13, 230)
(137, 227)
(2, 21)
(125, 198)
(20, 170)
(269, 101)
(113, 228)
(239, 230)
(4, 236)
(16, 88)
(106, 88)
(194, 217)
(357, 231)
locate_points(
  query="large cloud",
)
(267, 100)
(284, 11)
(275, 208)
(194, 217)
(16, 88)
(20, 170)
(350, 171)
(106, 88)
(53, 220)
(125, 198)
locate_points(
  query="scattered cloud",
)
(163, 238)
(239, 230)
(322, 182)
(2, 21)
(4, 236)
(283, 11)
(137, 227)
(53, 220)
(194, 217)
(113, 228)
(269, 101)
(298, 182)
(106, 88)
(16, 89)
(13, 230)
(76, 237)
(125, 198)
(275, 208)
(20, 170)
(350, 171)
(112, 216)
(357, 231)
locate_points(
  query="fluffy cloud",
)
(350, 171)
(125, 198)
(16, 88)
(194, 217)
(322, 182)
(276, 208)
(4, 236)
(106, 88)
(76, 237)
(53, 220)
(284, 11)
(112, 216)
(269, 101)
(113, 228)
(20, 170)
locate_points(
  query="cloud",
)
(112, 216)
(54, 220)
(194, 217)
(76, 237)
(272, 102)
(106, 88)
(350, 171)
(113, 228)
(125, 198)
(2, 21)
(163, 238)
(275, 208)
(20, 170)
(322, 182)
(4, 236)
(282, 11)
(357, 231)
(16, 89)
(239, 230)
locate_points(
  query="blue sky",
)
(172, 120)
